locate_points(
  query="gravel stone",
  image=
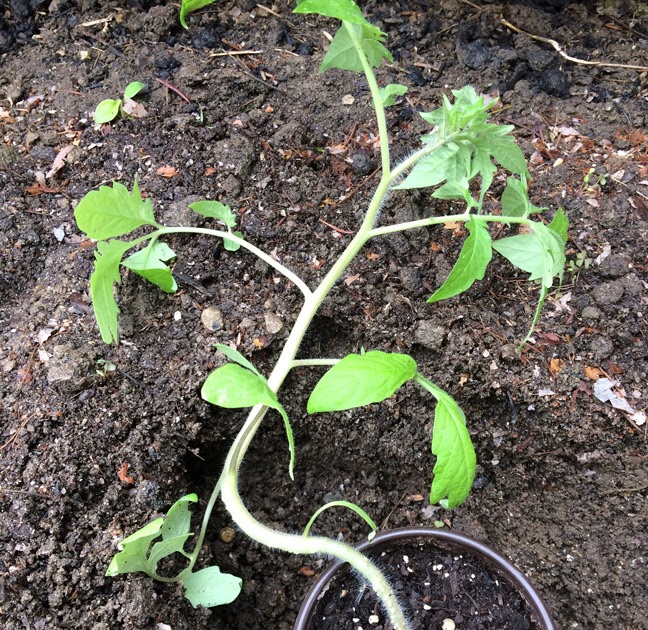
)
(608, 293)
(212, 318)
(430, 335)
(615, 266)
(591, 312)
(273, 323)
(509, 352)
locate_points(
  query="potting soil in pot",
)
(435, 585)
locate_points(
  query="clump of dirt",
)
(561, 485)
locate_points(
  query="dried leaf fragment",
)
(59, 161)
(167, 171)
(123, 475)
(555, 365)
(593, 373)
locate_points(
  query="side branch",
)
(284, 271)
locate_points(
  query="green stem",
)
(375, 97)
(203, 526)
(460, 218)
(313, 362)
(284, 271)
(312, 545)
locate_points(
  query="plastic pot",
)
(437, 541)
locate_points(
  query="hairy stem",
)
(379, 109)
(459, 218)
(310, 545)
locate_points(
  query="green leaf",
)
(347, 504)
(178, 519)
(430, 170)
(237, 357)
(540, 253)
(343, 10)
(454, 470)
(233, 386)
(389, 92)
(215, 210)
(149, 263)
(515, 202)
(134, 550)
(344, 50)
(221, 212)
(455, 189)
(209, 587)
(107, 110)
(560, 225)
(133, 89)
(471, 265)
(361, 379)
(188, 6)
(110, 212)
(507, 153)
(231, 246)
(483, 166)
(164, 548)
(102, 281)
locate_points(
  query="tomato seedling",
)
(109, 109)
(457, 161)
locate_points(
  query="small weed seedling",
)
(457, 160)
(109, 109)
(188, 6)
(574, 267)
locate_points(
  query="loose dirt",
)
(96, 440)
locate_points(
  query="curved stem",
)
(193, 557)
(311, 545)
(284, 271)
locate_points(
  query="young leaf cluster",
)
(113, 211)
(143, 550)
(109, 109)
(468, 147)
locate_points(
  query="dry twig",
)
(556, 46)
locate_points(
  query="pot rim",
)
(491, 557)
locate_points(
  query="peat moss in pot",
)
(444, 580)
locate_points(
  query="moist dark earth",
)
(436, 583)
(97, 440)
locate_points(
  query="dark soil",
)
(562, 478)
(434, 583)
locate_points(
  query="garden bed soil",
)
(97, 440)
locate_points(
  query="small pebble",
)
(212, 319)
(227, 534)
(273, 323)
(448, 624)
